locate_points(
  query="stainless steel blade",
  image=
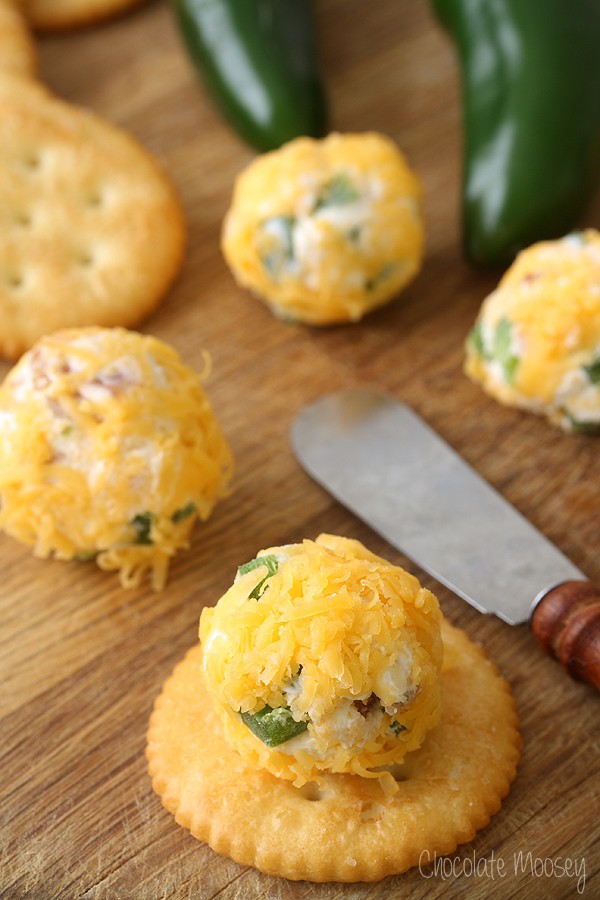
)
(381, 461)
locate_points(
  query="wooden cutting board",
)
(81, 660)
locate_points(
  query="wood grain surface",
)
(81, 660)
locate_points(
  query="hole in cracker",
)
(24, 220)
(311, 791)
(14, 281)
(95, 199)
(32, 161)
(85, 259)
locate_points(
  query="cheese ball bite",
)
(536, 342)
(323, 657)
(109, 450)
(326, 230)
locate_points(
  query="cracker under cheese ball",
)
(109, 449)
(326, 230)
(323, 657)
(536, 342)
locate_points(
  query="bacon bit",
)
(38, 370)
(114, 381)
(531, 276)
(57, 409)
(364, 707)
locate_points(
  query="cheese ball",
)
(109, 450)
(536, 341)
(326, 230)
(323, 657)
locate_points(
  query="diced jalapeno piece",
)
(373, 283)
(272, 564)
(510, 367)
(502, 338)
(281, 252)
(273, 726)
(184, 512)
(502, 349)
(143, 525)
(86, 555)
(585, 427)
(593, 371)
(397, 728)
(337, 192)
(475, 340)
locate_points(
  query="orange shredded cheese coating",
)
(348, 642)
(108, 449)
(324, 231)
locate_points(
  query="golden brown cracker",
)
(347, 829)
(92, 232)
(63, 15)
(17, 51)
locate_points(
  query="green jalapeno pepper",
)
(273, 726)
(531, 108)
(259, 63)
(270, 563)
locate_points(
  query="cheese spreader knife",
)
(380, 460)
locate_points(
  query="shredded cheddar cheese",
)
(109, 449)
(346, 642)
(326, 230)
(536, 343)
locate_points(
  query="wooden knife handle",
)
(566, 624)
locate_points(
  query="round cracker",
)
(92, 232)
(63, 15)
(347, 829)
(17, 51)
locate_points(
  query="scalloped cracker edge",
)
(347, 829)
